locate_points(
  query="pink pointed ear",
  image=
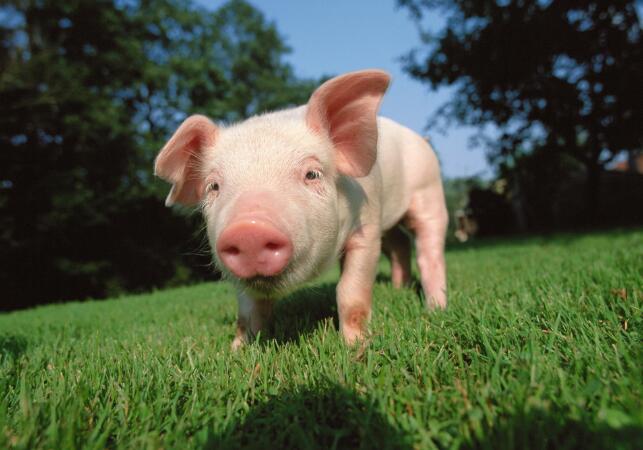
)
(179, 159)
(345, 108)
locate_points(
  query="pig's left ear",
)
(179, 159)
(345, 108)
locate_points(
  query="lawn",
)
(540, 348)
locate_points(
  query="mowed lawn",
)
(540, 348)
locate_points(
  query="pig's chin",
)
(272, 285)
(268, 286)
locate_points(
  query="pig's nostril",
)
(231, 250)
(274, 246)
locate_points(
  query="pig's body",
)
(408, 167)
(404, 190)
(286, 194)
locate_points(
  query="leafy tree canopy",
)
(90, 90)
(558, 75)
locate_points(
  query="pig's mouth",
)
(266, 284)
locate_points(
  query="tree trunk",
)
(632, 160)
(517, 199)
(592, 188)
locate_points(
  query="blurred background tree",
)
(558, 82)
(90, 91)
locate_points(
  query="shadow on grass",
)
(415, 284)
(300, 313)
(547, 430)
(335, 417)
(12, 345)
(325, 418)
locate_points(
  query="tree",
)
(563, 77)
(90, 92)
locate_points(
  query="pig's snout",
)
(251, 248)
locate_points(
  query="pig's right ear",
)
(179, 159)
(345, 109)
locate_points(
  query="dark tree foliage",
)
(560, 77)
(90, 91)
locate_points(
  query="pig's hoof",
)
(353, 336)
(438, 302)
(237, 343)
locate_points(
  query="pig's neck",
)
(357, 206)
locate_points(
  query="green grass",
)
(539, 348)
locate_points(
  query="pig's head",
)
(268, 186)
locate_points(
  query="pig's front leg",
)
(355, 287)
(254, 316)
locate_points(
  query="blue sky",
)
(335, 36)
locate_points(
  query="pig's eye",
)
(213, 187)
(313, 175)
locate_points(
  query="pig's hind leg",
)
(396, 245)
(428, 218)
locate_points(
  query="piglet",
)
(286, 194)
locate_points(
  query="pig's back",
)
(407, 164)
